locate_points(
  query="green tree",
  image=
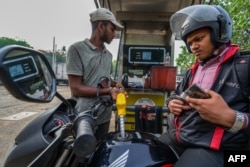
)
(60, 56)
(10, 41)
(185, 59)
(114, 72)
(240, 14)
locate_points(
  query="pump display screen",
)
(22, 68)
(146, 55)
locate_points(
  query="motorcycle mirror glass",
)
(27, 74)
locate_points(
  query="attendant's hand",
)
(115, 91)
(119, 85)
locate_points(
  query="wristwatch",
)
(238, 123)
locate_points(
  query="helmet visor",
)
(192, 18)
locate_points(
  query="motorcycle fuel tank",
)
(136, 149)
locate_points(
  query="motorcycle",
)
(64, 137)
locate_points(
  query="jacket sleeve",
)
(182, 86)
(248, 125)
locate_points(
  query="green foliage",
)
(114, 67)
(60, 56)
(48, 55)
(4, 41)
(240, 14)
(185, 59)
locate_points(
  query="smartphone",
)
(195, 91)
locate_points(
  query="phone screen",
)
(195, 91)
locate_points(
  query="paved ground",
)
(10, 106)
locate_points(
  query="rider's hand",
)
(214, 109)
(176, 106)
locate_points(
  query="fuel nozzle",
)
(121, 104)
(121, 111)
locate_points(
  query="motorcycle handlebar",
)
(85, 140)
(83, 126)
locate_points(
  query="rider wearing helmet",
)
(200, 130)
(196, 17)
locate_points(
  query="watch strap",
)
(238, 123)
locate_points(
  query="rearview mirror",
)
(27, 74)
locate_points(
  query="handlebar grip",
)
(85, 141)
